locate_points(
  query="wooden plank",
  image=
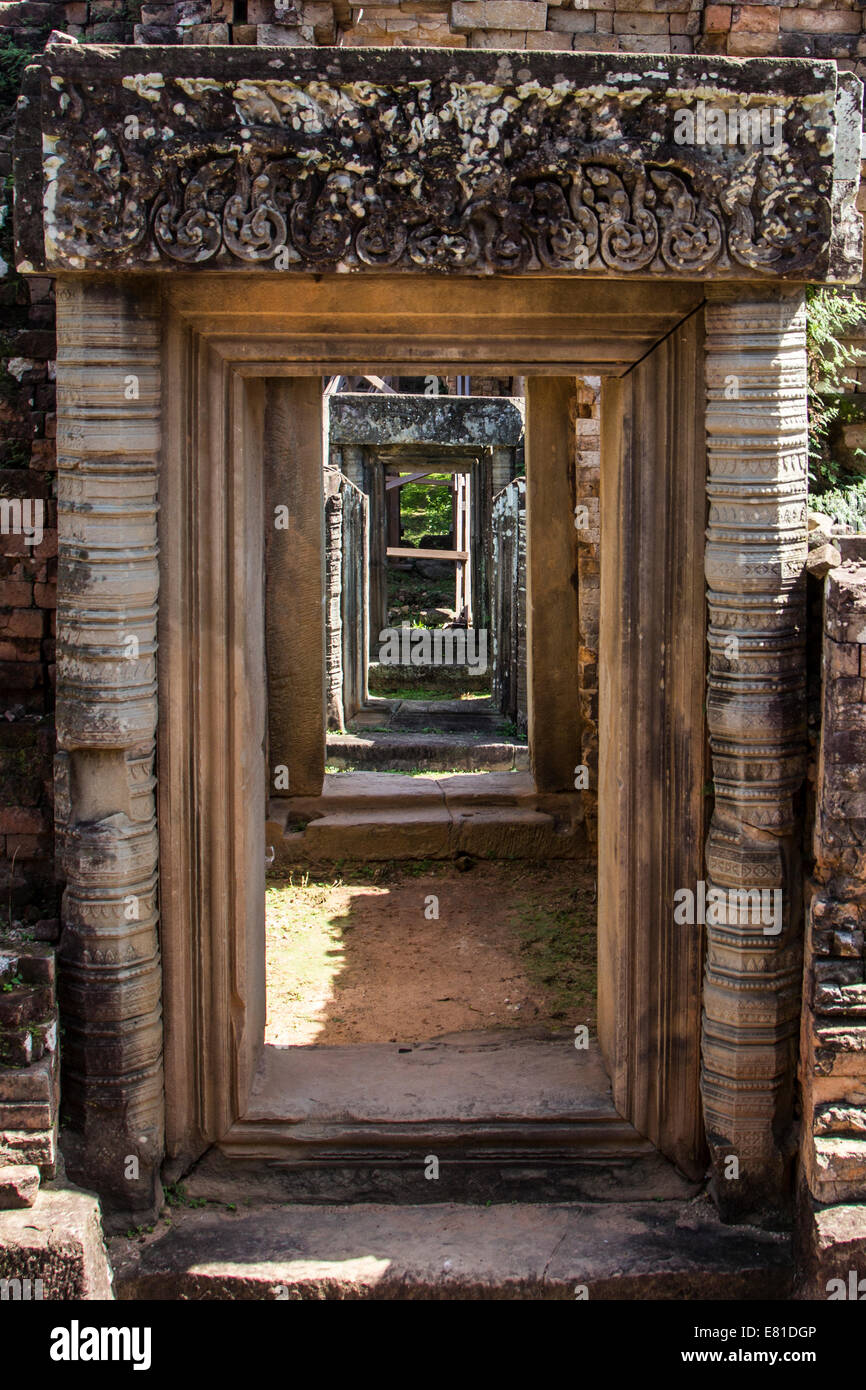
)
(408, 552)
(405, 478)
(379, 384)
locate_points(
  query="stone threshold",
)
(432, 752)
(382, 816)
(504, 1116)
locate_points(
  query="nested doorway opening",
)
(427, 923)
(249, 367)
(423, 501)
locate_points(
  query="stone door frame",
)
(220, 441)
(255, 179)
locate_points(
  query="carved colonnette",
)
(755, 556)
(108, 402)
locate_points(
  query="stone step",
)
(23, 1004)
(383, 678)
(383, 816)
(440, 719)
(429, 751)
(623, 1251)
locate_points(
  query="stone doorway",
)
(413, 648)
(197, 383)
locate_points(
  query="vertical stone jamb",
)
(502, 466)
(755, 557)
(334, 565)
(553, 637)
(108, 437)
(295, 585)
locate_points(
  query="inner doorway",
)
(466, 976)
(426, 664)
(649, 988)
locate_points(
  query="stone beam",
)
(226, 157)
(463, 421)
(755, 557)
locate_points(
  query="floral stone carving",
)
(459, 163)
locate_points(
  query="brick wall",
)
(27, 570)
(825, 30)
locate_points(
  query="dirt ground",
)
(362, 957)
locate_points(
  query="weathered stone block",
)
(812, 21)
(821, 559)
(648, 6)
(498, 14)
(750, 45)
(207, 34)
(686, 23)
(594, 43)
(833, 1246)
(640, 24)
(38, 1147)
(842, 658)
(549, 41)
(571, 22)
(283, 35)
(19, 1185)
(644, 43)
(59, 1241)
(474, 16)
(755, 19)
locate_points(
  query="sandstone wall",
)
(833, 1075)
(833, 1037)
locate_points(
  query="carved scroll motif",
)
(425, 176)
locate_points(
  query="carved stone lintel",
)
(755, 557)
(108, 444)
(474, 163)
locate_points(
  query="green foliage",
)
(176, 1195)
(13, 61)
(846, 505)
(830, 314)
(417, 595)
(424, 511)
